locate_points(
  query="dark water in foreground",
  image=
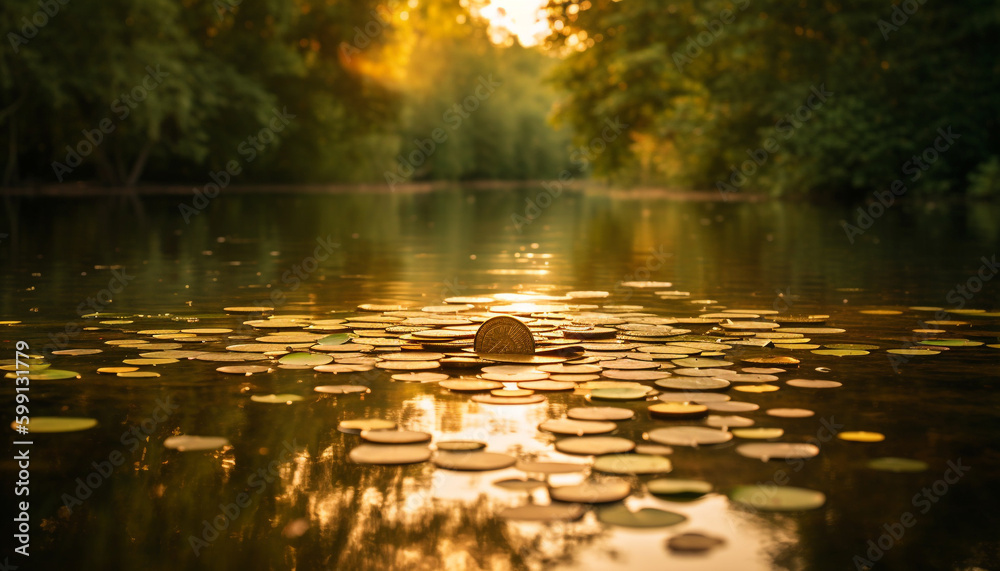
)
(416, 249)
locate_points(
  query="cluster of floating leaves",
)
(693, 373)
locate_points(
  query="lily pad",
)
(892, 464)
(284, 398)
(777, 498)
(600, 413)
(356, 425)
(689, 436)
(390, 454)
(591, 492)
(777, 450)
(694, 543)
(761, 433)
(554, 512)
(47, 424)
(619, 394)
(191, 443)
(577, 427)
(632, 464)
(861, 436)
(594, 445)
(678, 489)
(646, 517)
(473, 461)
(305, 359)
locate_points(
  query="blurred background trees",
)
(703, 87)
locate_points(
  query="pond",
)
(110, 272)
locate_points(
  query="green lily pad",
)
(892, 464)
(951, 342)
(190, 443)
(335, 339)
(590, 492)
(678, 489)
(390, 454)
(777, 498)
(41, 424)
(840, 352)
(632, 464)
(645, 517)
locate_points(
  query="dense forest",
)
(752, 95)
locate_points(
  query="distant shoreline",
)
(70, 190)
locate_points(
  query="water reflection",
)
(416, 249)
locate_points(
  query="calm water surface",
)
(416, 249)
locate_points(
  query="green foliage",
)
(360, 81)
(703, 83)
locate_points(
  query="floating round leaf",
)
(693, 384)
(777, 450)
(891, 464)
(577, 427)
(460, 445)
(355, 426)
(190, 443)
(52, 375)
(677, 410)
(839, 352)
(619, 394)
(390, 453)
(813, 384)
(493, 399)
(519, 484)
(632, 464)
(594, 445)
(591, 492)
(472, 461)
(678, 489)
(635, 375)
(951, 342)
(758, 433)
(689, 436)
(790, 412)
(395, 436)
(40, 424)
(694, 543)
(339, 368)
(777, 498)
(600, 413)
(757, 388)
(284, 398)
(533, 512)
(728, 421)
(242, 369)
(342, 389)
(547, 385)
(732, 406)
(470, 385)
(420, 377)
(645, 517)
(116, 370)
(913, 352)
(861, 436)
(700, 363)
(139, 374)
(77, 352)
(305, 359)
